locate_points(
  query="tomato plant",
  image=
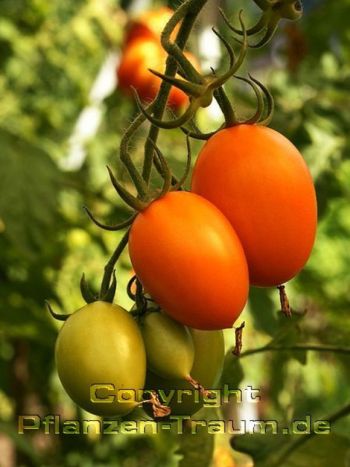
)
(137, 58)
(260, 181)
(101, 343)
(190, 260)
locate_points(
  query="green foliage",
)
(317, 452)
(50, 54)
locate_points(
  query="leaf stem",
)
(109, 267)
(297, 348)
(295, 444)
(193, 9)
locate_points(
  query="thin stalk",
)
(299, 441)
(109, 268)
(297, 348)
(136, 177)
(193, 9)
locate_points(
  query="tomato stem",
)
(189, 11)
(238, 340)
(159, 410)
(285, 306)
(297, 348)
(198, 386)
(298, 441)
(109, 267)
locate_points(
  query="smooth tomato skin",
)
(207, 369)
(190, 260)
(260, 181)
(169, 345)
(133, 71)
(149, 24)
(100, 343)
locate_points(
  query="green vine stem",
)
(109, 267)
(140, 184)
(192, 8)
(175, 50)
(297, 348)
(299, 441)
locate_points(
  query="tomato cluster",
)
(142, 51)
(249, 219)
(101, 355)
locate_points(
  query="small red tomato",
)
(133, 71)
(260, 181)
(190, 260)
(149, 24)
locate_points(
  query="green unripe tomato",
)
(207, 368)
(169, 346)
(101, 344)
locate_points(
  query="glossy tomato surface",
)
(207, 369)
(101, 344)
(190, 260)
(260, 181)
(133, 71)
(169, 345)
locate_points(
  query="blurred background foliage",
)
(50, 56)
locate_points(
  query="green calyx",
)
(272, 12)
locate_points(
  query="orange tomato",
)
(189, 258)
(260, 181)
(136, 59)
(149, 24)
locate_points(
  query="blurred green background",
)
(61, 120)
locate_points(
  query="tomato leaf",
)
(196, 449)
(232, 373)
(262, 306)
(28, 193)
(320, 451)
(290, 333)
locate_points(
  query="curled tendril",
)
(108, 296)
(58, 316)
(196, 133)
(86, 292)
(173, 49)
(113, 228)
(129, 287)
(190, 111)
(266, 107)
(235, 64)
(270, 103)
(260, 102)
(260, 92)
(272, 12)
(200, 95)
(127, 197)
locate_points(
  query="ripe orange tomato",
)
(149, 24)
(260, 181)
(136, 59)
(190, 260)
